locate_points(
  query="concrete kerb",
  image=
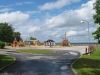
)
(8, 64)
(73, 64)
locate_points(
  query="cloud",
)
(65, 19)
(24, 3)
(58, 4)
(71, 33)
(33, 29)
(88, 8)
(54, 34)
(20, 21)
(13, 17)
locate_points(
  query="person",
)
(86, 50)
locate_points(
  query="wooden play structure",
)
(65, 41)
(18, 43)
(15, 43)
(32, 42)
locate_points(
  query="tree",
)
(6, 32)
(17, 36)
(32, 38)
(97, 9)
(97, 34)
(97, 20)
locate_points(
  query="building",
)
(49, 43)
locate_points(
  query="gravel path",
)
(29, 64)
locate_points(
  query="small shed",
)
(49, 43)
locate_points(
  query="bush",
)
(92, 47)
(2, 44)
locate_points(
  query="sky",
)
(50, 19)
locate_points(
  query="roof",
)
(50, 40)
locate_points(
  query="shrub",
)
(2, 44)
(92, 47)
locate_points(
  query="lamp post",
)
(85, 21)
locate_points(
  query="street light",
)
(85, 21)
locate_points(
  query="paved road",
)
(28, 64)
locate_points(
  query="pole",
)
(88, 50)
(83, 21)
(88, 33)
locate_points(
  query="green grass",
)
(5, 60)
(36, 51)
(88, 64)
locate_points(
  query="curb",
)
(8, 64)
(72, 65)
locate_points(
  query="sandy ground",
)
(80, 49)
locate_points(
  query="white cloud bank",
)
(72, 17)
(67, 21)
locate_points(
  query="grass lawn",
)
(36, 51)
(88, 64)
(5, 60)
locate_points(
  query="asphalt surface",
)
(29, 64)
